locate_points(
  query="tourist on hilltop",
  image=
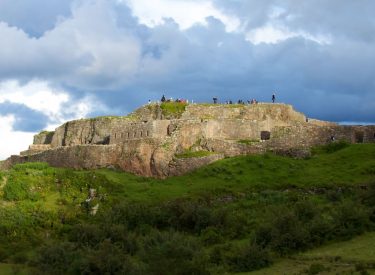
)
(273, 97)
(163, 98)
(149, 101)
(215, 100)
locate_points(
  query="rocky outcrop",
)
(147, 141)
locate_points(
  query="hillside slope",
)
(235, 215)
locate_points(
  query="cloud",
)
(25, 119)
(38, 105)
(12, 142)
(35, 17)
(185, 13)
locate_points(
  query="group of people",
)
(180, 100)
(215, 100)
(240, 101)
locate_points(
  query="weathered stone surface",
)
(36, 148)
(146, 141)
(185, 165)
(44, 137)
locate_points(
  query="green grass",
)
(244, 174)
(340, 258)
(360, 249)
(174, 109)
(259, 172)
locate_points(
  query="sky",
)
(64, 60)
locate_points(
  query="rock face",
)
(147, 141)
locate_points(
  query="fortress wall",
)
(311, 135)
(77, 157)
(160, 128)
(232, 148)
(35, 148)
(188, 133)
(127, 131)
(107, 131)
(104, 131)
(258, 112)
(235, 129)
(139, 130)
(86, 131)
(321, 122)
(134, 156)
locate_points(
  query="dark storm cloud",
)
(101, 49)
(26, 119)
(340, 18)
(36, 16)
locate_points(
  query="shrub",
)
(15, 190)
(56, 258)
(107, 258)
(350, 219)
(249, 258)
(315, 268)
(188, 215)
(86, 234)
(173, 253)
(211, 235)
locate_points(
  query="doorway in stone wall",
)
(359, 137)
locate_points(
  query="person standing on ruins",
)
(273, 97)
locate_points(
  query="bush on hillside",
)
(16, 190)
(173, 253)
(248, 258)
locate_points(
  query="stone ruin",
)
(148, 142)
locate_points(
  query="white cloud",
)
(40, 96)
(272, 34)
(12, 142)
(36, 95)
(186, 13)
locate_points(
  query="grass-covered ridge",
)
(173, 109)
(236, 215)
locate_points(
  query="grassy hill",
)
(267, 213)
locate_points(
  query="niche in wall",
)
(265, 135)
(359, 137)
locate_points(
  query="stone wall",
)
(255, 112)
(311, 135)
(102, 131)
(44, 137)
(145, 142)
(35, 149)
